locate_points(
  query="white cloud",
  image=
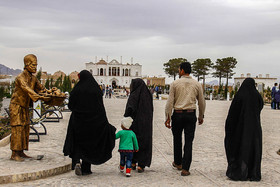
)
(66, 34)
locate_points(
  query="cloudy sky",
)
(65, 34)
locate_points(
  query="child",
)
(128, 143)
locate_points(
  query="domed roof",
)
(102, 62)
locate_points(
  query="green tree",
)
(51, 82)
(58, 83)
(66, 85)
(39, 75)
(218, 70)
(2, 93)
(268, 94)
(47, 84)
(225, 92)
(220, 89)
(201, 67)
(228, 64)
(171, 67)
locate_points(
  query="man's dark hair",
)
(275, 84)
(186, 66)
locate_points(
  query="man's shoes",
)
(78, 169)
(179, 167)
(185, 172)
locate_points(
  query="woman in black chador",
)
(243, 140)
(90, 137)
(140, 108)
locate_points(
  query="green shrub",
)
(5, 128)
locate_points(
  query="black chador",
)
(90, 137)
(243, 140)
(140, 107)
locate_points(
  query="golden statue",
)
(27, 87)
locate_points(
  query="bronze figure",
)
(27, 87)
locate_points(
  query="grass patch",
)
(5, 128)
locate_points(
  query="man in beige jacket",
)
(183, 95)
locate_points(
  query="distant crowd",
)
(108, 90)
(275, 96)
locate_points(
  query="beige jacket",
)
(183, 95)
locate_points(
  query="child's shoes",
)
(128, 170)
(121, 168)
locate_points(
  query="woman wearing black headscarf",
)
(243, 140)
(140, 108)
(90, 137)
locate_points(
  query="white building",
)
(262, 82)
(114, 73)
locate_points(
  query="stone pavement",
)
(207, 169)
(50, 146)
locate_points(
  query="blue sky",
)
(65, 34)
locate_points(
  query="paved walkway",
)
(207, 169)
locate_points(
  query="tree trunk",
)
(220, 78)
(227, 80)
(204, 86)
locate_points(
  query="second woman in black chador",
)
(90, 137)
(140, 108)
(243, 140)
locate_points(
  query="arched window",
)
(114, 71)
(90, 71)
(122, 72)
(126, 72)
(136, 74)
(97, 71)
(101, 72)
(118, 71)
(129, 73)
(109, 71)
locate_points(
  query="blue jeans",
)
(126, 159)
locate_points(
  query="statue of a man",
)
(27, 87)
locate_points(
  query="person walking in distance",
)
(273, 93)
(184, 93)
